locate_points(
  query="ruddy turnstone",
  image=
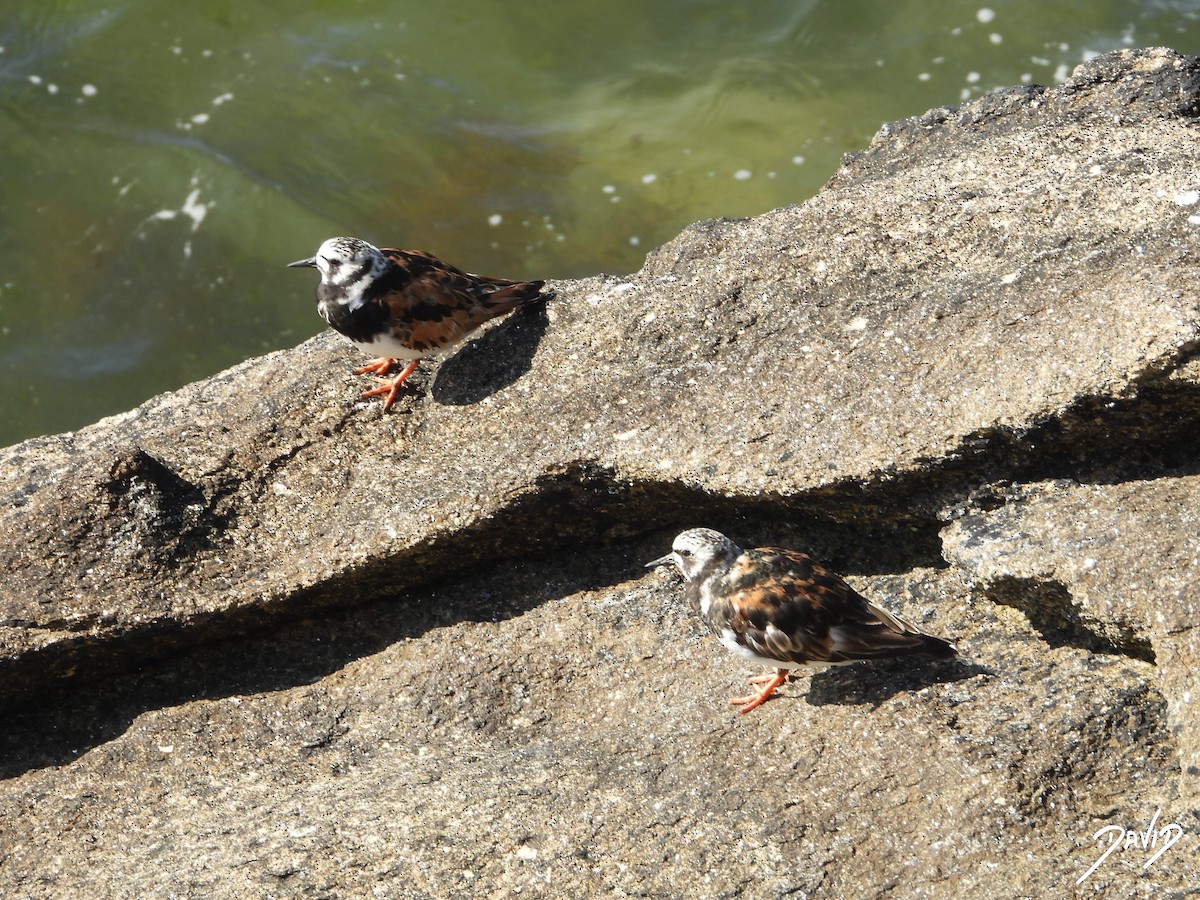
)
(781, 606)
(404, 304)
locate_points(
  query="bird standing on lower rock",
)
(781, 606)
(404, 304)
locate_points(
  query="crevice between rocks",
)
(889, 524)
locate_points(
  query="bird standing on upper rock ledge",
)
(404, 304)
(772, 605)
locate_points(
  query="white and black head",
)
(699, 553)
(347, 264)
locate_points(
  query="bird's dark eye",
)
(334, 263)
(685, 553)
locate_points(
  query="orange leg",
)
(391, 388)
(380, 366)
(769, 684)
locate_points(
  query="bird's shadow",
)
(875, 684)
(494, 360)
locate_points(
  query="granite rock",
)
(1114, 568)
(258, 639)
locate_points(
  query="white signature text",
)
(1157, 839)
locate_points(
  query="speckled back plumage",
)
(404, 304)
(782, 606)
(785, 606)
(424, 304)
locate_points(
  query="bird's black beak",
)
(311, 262)
(661, 561)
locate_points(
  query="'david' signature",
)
(1158, 839)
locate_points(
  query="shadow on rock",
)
(492, 361)
(91, 709)
(875, 683)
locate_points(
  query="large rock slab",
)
(310, 649)
(540, 730)
(1111, 567)
(973, 275)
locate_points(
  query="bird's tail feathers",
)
(936, 648)
(508, 295)
(862, 642)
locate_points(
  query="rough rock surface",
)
(257, 639)
(1112, 568)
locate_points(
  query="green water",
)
(161, 161)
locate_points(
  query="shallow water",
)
(161, 162)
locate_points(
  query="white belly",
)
(729, 640)
(389, 347)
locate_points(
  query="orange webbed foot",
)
(770, 683)
(380, 366)
(391, 388)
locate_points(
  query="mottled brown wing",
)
(781, 604)
(787, 606)
(433, 304)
